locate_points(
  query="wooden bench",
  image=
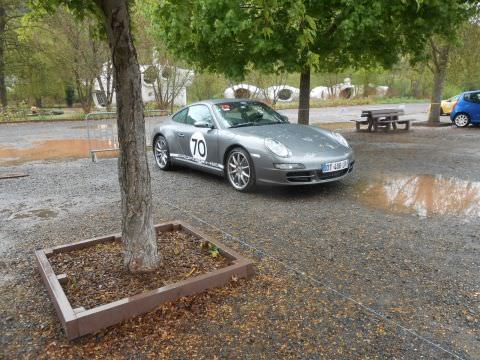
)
(385, 118)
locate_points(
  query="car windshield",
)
(247, 113)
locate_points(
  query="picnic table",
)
(384, 118)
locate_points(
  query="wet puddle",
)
(54, 150)
(38, 213)
(96, 127)
(425, 195)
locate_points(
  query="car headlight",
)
(340, 139)
(277, 147)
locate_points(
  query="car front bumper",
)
(312, 174)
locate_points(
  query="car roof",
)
(472, 91)
(221, 101)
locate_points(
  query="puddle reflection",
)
(426, 195)
(39, 213)
(54, 150)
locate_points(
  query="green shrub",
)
(69, 95)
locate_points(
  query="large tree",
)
(10, 13)
(464, 67)
(300, 35)
(439, 55)
(73, 45)
(165, 74)
(138, 233)
(443, 44)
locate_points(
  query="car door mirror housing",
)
(284, 117)
(203, 124)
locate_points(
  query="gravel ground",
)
(337, 277)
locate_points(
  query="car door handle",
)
(180, 134)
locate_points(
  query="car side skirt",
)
(212, 168)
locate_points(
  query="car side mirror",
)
(203, 124)
(284, 117)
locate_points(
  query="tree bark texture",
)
(439, 69)
(3, 86)
(138, 233)
(304, 100)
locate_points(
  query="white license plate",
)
(335, 166)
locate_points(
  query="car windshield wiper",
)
(243, 124)
(274, 123)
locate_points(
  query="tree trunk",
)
(366, 87)
(138, 233)
(3, 86)
(304, 100)
(439, 68)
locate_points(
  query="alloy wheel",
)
(238, 169)
(462, 120)
(161, 152)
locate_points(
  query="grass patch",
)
(44, 114)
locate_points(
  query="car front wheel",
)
(461, 120)
(161, 153)
(240, 170)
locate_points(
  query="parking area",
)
(383, 264)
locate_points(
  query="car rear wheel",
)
(461, 120)
(161, 153)
(239, 170)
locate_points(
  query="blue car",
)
(467, 109)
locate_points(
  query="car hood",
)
(300, 139)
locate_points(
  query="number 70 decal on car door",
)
(198, 146)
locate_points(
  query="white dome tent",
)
(382, 90)
(320, 93)
(346, 89)
(184, 78)
(343, 90)
(240, 91)
(282, 93)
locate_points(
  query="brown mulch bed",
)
(96, 274)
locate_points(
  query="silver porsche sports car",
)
(250, 143)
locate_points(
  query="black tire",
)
(461, 120)
(161, 153)
(235, 173)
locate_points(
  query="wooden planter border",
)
(78, 322)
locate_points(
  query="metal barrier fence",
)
(102, 130)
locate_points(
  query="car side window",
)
(199, 113)
(473, 97)
(180, 116)
(476, 97)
